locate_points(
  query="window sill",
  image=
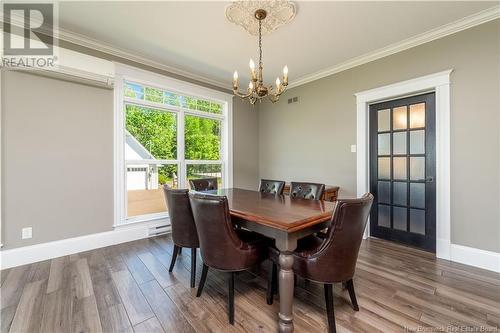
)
(163, 220)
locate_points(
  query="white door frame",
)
(440, 84)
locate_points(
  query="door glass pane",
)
(384, 216)
(399, 143)
(417, 142)
(399, 118)
(384, 192)
(399, 221)
(150, 133)
(197, 171)
(417, 221)
(384, 120)
(417, 168)
(384, 144)
(417, 195)
(145, 187)
(400, 191)
(417, 115)
(384, 167)
(399, 168)
(202, 138)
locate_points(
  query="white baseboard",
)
(443, 249)
(29, 254)
(468, 255)
(44, 251)
(475, 257)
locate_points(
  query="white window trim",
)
(440, 84)
(1, 224)
(127, 73)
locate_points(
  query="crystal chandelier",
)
(256, 89)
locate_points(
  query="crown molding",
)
(481, 17)
(90, 43)
(484, 16)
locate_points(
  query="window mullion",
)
(180, 150)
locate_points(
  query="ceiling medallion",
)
(256, 89)
(242, 13)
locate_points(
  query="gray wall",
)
(310, 140)
(57, 159)
(245, 145)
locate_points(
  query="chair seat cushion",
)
(308, 245)
(254, 246)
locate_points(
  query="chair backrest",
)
(339, 252)
(271, 186)
(203, 184)
(181, 217)
(219, 243)
(311, 191)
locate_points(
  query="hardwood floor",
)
(127, 288)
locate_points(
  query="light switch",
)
(27, 233)
(353, 148)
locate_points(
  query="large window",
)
(167, 137)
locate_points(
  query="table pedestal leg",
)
(286, 292)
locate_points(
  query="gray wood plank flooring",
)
(127, 288)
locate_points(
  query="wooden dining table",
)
(286, 220)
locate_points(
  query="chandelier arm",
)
(279, 90)
(274, 96)
(242, 95)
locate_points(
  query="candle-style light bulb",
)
(250, 85)
(285, 75)
(278, 83)
(252, 68)
(235, 79)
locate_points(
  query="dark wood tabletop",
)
(280, 212)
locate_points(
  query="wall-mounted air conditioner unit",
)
(74, 66)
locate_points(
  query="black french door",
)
(403, 171)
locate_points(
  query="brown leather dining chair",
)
(311, 191)
(222, 246)
(271, 186)
(333, 259)
(203, 184)
(183, 228)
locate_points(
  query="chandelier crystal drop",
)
(257, 90)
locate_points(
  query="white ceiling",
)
(196, 37)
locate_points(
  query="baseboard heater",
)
(159, 230)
